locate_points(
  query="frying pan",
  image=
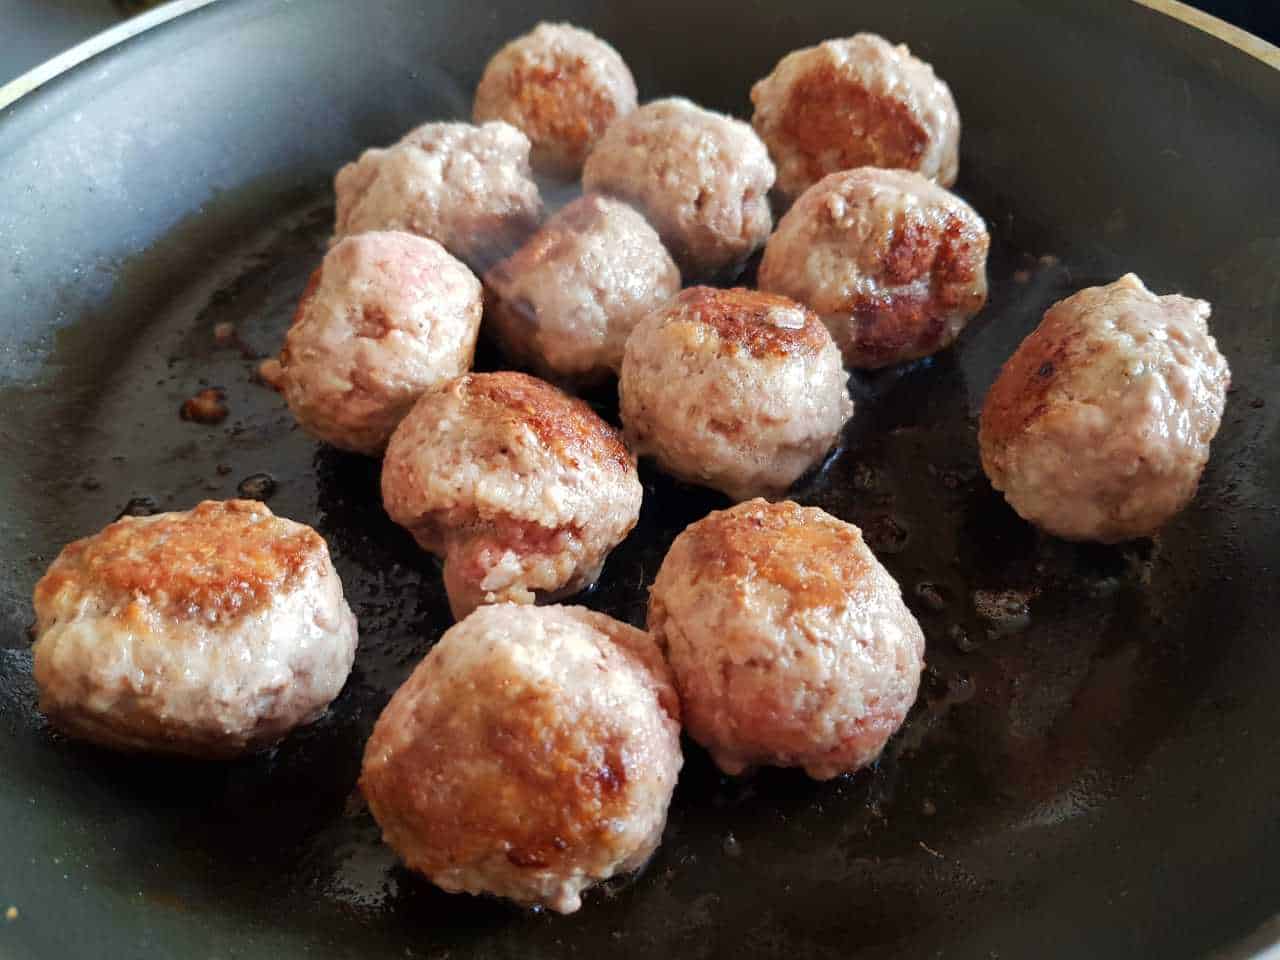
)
(1091, 769)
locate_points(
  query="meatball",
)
(205, 633)
(790, 643)
(565, 303)
(733, 389)
(1098, 427)
(562, 86)
(855, 102)
(893, 264)
(467, 187)
(531, 754)
(521, 489)
(384, 317)
(701, 178)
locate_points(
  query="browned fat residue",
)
(816, 558)
(827, 113)
(561, 103)
(223, 559)
(762, 323)
(208, 406)
(564, 423)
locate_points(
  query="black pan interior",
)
(1090, 770)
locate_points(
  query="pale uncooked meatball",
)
(733, 389)
(562, 86)
(520, 488)
(467, 187)
(385, 316)
(701, 178)
(894, 264)
(565, 303)
(790, 643)
(204, 633)
(855, 102)
(1098, 427)
(531, 754)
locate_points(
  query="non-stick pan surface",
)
(1091, 770)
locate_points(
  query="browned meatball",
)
(467, 187)
(532, 753)
(385, 316)
(205, 633)
(562, 86)
(701, 178)
(1099, 426)
(855, 102)
(790, 643)
(738, 390)
(894, 264)
(522, 489)
(567, 300)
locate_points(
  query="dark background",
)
(31, 31)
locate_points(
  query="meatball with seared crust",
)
(733, 389)
(562, 86)
(565, 303)
(204, 633)
(855, 102)
(1098, 427)
(532, 753)
(467, 187)
(701, 178)
(385, 316)
(895, 265)
(790, 643)
(520, 488)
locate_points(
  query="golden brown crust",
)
(764, 323)
(827, 111)
(545, 800)
(1021, 392)
(564, 423)
(221, 560)
(561, 104)
(814, 557)
(930, 272)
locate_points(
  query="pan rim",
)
(55, 66)
(25, 83)
(1262, 943)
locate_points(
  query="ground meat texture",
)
(790, 643)
(562, 86)
(520, 488)
(467, 187)
(531, 754)
(733, 389)
(565, 303)
(386, 316)
(701, 178)
(204, 633)
(894, 264)
(855, 102)
(1098, 427)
